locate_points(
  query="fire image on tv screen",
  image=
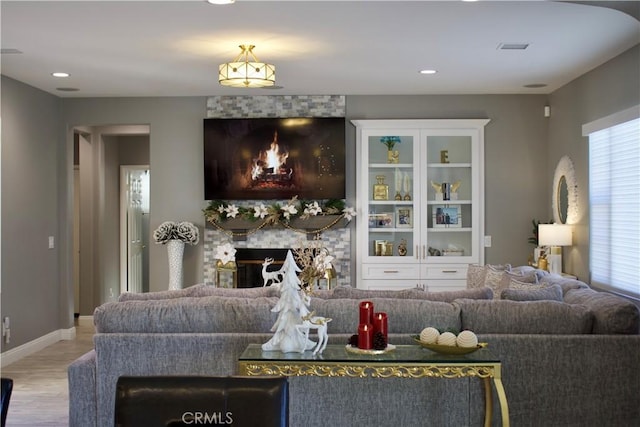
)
(274, 158)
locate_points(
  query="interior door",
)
(136, 189)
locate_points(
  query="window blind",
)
(614, 204)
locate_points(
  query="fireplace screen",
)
(250, 262)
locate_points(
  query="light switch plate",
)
(487, 241)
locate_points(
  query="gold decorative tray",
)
(356, 350)
(448, 349)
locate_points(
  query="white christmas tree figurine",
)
(291, 307)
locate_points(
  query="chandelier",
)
(246, 71)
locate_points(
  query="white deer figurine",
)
(320, 325)
(275, 277)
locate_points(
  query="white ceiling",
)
(173, 48)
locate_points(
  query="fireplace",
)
(337, 242)
(249, 262)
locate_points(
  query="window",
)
(614, 202)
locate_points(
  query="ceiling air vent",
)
(513, 46)
(7, 51)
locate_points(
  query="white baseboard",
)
(85, 320)
(15, 354)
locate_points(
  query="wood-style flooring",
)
(40, 395)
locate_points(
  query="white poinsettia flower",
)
(323, 261)
(232, 211)
(312, 209)
(289, 210)
(349, 213)
(260, 211)
(225, 253)
(221, 209)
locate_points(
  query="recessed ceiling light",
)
(60, 74)
(428, 71)
(221, 1)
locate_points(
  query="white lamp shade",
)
(554, 235)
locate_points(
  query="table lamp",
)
(554, 236)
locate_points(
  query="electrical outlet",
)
(487, 241)
(51, 242)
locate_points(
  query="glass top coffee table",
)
(404, 361)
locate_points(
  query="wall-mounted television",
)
(274, 158)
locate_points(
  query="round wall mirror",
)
(563, 199)
(565, 193)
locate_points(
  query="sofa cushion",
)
(189, 314)
(349, 292)
(524, 317)
(261, 291)
(201, 290)
(405, 316)
(533, 293)
(173, 293)
(565, 283)
(612, 314)
(445, 296)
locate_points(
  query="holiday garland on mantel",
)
(293, 215)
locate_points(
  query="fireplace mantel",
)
(239, 228)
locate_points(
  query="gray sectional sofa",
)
(574, 362)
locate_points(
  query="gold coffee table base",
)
(415, 362)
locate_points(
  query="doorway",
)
(101, 258)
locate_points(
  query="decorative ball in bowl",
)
(447, 342)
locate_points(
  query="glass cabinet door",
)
(391, 195)
(448, 196)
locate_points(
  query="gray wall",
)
(175, 160)
(521, 150)
(31, 291)
(612, 87)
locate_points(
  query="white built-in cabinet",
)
(410, 232)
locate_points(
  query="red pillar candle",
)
(365, 336)
(380, 324)
(366, 312)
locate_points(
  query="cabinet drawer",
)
(446, 272)
(390, 271)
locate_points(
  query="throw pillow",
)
(527, 284)
(475, 276)
(498, 280)
(552, 293)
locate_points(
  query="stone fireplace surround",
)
(337, 241)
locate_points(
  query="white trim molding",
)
(27, 349)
